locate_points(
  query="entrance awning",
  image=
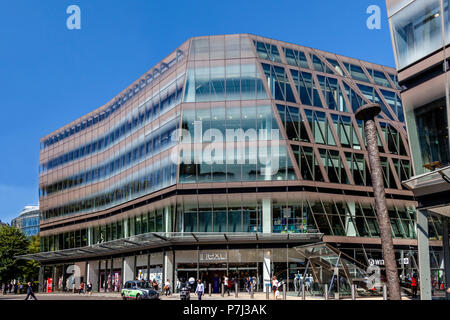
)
(323, 255)
(432, 190)
(164, 239)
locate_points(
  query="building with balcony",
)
(223, 159)
(421, 39)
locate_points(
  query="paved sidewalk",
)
(116, 296)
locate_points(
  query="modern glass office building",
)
(421, 39)
(28, 221)
(224, 158)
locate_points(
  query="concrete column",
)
(125, 228)
(90, 236)
(168, 219)
(350, 229)
(267, 215)
(168, 266)
(423, 255)
(128, 268)
(92, 274)
(267, 269)
(445, 248)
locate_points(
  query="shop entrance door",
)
(213, 273)
(240, 273)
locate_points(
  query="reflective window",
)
(356, 72)
(296, 58)
(432, 131)
(306, 88)
(220, 83)
(267, 51)
(278, 83)
(334, 97)
(417, 31)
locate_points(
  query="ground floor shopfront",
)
(211, 262)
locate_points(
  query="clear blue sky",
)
(51, 75)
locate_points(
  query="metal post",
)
(223, 290)
(209, 288)
(353, 291)
(303, 292)
(367, 113)
(423, 253)
(284, 291)
(41, 279)
(267, 292)
(236, 288)
(446, 250)
(326, 291)
(385, 295)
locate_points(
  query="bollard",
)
(353, 291)
(385, 292)
(209, 288)
(267, 292)
(336, 295)
(326, 291)
(284, 291)
(223, 290)
(236, 289)
(303, 292)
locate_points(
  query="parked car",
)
(138, 290)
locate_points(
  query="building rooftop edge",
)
(105, 105)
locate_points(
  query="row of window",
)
(121, 101)
(221, 119)
(154, 143)
(224, 83)
(295, 127)
(257, 165)
(330, 218)
(154, 108)
(157, 176)
(298, 58)
(333, 94)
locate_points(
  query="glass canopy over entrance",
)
(333, 267)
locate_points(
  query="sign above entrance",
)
(213, 256)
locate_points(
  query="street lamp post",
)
(367, 113)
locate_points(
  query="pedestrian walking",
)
(155, 285)
(227, 284)
(248, 284)
(16, 288)
(89, 288)
(414, 286)
(30, 292)
(81, 288)
(167, 287)
(274, 286)
(200, 289)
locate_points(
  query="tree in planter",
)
(13, 242)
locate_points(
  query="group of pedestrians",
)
(10, 288)
(82, 289)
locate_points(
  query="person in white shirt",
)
(274, 286)
(225, 284)
(200, 289)
(167, 287)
